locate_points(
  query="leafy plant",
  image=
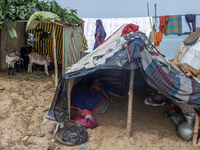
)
(45, 111)
(39, 135)
(10, 11)
(28, 97)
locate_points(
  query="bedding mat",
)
(100, 107)
(85, 100)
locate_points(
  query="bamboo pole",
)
(69, 96)
(55, 58)
(130, 103)
(196, 130)
(155, 17)
(62, 50)
(150, 22)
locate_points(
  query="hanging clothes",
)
(174, 25)
(163, 23)
(151, 36)
(157, 38)
(191, 18)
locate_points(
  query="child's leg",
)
(116, 95)
(106, 95)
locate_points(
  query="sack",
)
(86, 122)
(75, 135)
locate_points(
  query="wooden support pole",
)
(155, 17)
(55, 58)
(196, 130)
(150, 22)
(69, 96)
(130, 103)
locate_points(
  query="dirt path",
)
(19, 116)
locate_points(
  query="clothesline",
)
(180, 15)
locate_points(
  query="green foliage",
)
(10, 11)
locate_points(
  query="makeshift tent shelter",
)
(126, 50)
(75, 46)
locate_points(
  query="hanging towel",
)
(174, 25)
(151, 36)
(158, 38)
(163, 23)
(191, 18)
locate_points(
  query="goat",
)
(11, 59)
(40, 60)
(24, 55)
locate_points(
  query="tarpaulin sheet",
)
(41, 16)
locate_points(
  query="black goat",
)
(24, 55)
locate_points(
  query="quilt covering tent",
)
(130, 51)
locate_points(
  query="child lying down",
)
(101, 89)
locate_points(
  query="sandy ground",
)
(19, 116)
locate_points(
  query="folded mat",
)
(85, 100)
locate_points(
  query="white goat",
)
(11, 59)
(39, 60)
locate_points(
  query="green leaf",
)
(31, 78)
(28, 97)
(3, 89)
(53, 77)
(31, 84)
(20, 93)
(39, 135)
(45, 111)
(41, 120)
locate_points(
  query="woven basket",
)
(60, 132)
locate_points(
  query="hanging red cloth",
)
(163, 23)
(130, 28)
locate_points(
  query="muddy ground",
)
(24, 103)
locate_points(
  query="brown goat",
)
(39, 60)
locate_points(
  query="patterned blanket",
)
(178, 86)
(174, 25)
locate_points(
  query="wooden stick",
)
(150, 22)
(130, 103)
(69, 96)
(63, 71)
(196, 130)
(55, 58)
(155, 17)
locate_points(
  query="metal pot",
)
(185, 129)
(159, 98)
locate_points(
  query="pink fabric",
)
(82, 26)
(86, 122)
